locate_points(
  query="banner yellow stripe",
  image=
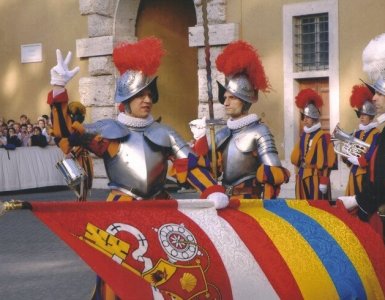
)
(307, 269)
(348, 242)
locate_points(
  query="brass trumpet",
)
(347, 145)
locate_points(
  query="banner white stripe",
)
(247, 279)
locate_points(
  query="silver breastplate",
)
(237, 166)
(244, 150)
(140, 166)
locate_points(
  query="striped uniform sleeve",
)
(296, 155)
(326, 158)
(61, 121)
(272, 177)
(191, 170)
(68, 134)
(372, 140)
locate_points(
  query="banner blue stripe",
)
(326, 248)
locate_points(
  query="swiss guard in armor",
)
(135, 148)
(247, 156)
(361, 101)
(313, 155)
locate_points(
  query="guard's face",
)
(233, 106)
(379, 102)
(141, 104)
(308, 122)
(365, 119)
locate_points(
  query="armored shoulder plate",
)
(108, 128)
(222, 136)
(258, 137)
(167, 137)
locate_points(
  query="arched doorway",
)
(169, 20)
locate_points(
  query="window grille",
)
(311, 42)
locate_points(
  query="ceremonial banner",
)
(255, 249)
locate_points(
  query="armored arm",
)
(187, 165)
(266, 148)
(270, 172)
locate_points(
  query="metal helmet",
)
(131, 82)
(311, 111)
(379, 86)
(368, 108)
(239, 85)
(310, 102)
(361, 100)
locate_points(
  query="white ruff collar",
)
(134, 122)
(313, 128)
(242, 122)
(366, 128)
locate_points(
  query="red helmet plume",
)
(307, 96)
(360, 94)
(145, 56)
(241, 57)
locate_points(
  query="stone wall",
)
(111, 21)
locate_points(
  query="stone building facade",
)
(112, 21)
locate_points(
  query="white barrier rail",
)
(30, 167)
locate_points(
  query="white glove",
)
(349, 202)
(353, 160)
(198, 128)
(323, 188)
(220, 200)
(60, 74)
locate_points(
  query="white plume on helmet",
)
(373, 58)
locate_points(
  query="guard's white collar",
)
(242, 122)
(134, 122)
(313, 128)
(366, 128)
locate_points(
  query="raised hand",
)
(198, 128)
(60, 74)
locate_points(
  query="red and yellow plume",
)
(145, 56)
(241, 57)
(307, 96)
(360, 94)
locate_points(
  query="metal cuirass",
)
(245, 150)
(140, 167)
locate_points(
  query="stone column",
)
(97, 90)
(220, 34)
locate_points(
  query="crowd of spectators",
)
(24, 133)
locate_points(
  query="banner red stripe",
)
(69, 221)
(264, 252)
(370, 240)
(124, 283)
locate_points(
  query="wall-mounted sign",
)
(31, 53)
